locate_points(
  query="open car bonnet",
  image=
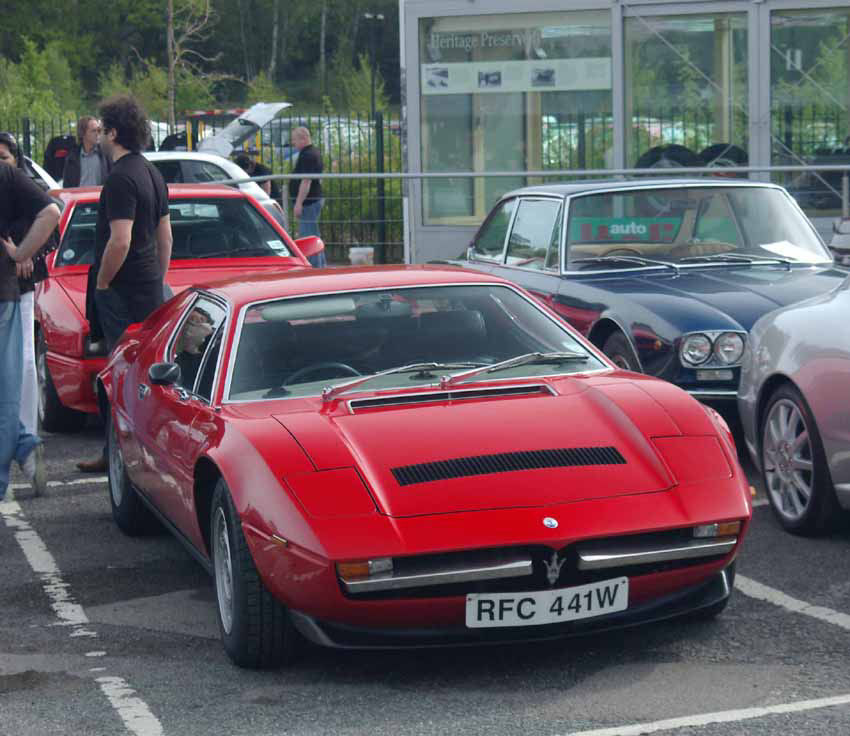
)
(487, 453)
(242, 128)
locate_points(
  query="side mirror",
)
(841, 226)
(164, 374)
(132, 328)
(310, 246)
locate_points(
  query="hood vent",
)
(432, 397)
(506, 462)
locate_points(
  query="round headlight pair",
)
(727, 348)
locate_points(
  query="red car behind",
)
(218, 232)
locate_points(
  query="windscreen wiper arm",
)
(331, 392)
(629, 259)
(528, 358)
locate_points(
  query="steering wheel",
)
(621, 252)
(314, 367)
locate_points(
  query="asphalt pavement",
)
(104, 634)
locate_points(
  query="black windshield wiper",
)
(424, 371)
(625, 259)
(527, 359)
(735, 258)
(255, 251)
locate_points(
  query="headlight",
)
(728, 348)
(696, 349)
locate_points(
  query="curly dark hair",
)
(124, 115)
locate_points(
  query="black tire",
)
(796, 479)
(255, 627)
(53, 415)
(618, 348)
(128, 510)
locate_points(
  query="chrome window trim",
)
(163, 355)
(240, 319)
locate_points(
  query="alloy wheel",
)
(223, 570)
(116, 467)
(787, 460)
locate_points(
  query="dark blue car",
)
(666, 277)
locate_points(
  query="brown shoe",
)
(97, 465)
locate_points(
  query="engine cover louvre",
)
(506, 462)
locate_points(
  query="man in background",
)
(307, 193)
(86, 165)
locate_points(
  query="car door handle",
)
(144, 390)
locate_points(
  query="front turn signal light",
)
(365, 569)
(721, 529)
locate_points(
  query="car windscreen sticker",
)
(606, 229)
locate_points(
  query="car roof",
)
(249, 288)
(175, 191)
(566, 189)
(212, 158)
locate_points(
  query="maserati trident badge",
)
(550, 523)
(553, 568)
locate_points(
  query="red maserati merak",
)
(218, 232)
(399, 456)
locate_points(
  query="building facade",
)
(571, 85)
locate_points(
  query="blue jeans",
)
(15, 442)
(309, 225)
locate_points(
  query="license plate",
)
(485, 610)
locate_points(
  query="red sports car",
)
(218, 232)
(408, 456)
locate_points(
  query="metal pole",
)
(382, 202)
(27, 135)
(845, 195)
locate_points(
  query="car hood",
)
(180, 276)
(722, 297)
(386, 445)
(242, 128)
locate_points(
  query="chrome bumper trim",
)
(711, 393)
(513, 569)
(600, 557)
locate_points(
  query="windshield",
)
(298, 347)
(202, 228)
(689, 225)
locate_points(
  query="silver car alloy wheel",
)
(223, 570)
(787, 460)
(116, 467)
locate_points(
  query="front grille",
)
(569, 576)
(506, 462)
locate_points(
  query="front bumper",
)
(690, 600)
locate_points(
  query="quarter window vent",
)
(506, 462)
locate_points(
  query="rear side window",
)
(490, 241)
(204, 171)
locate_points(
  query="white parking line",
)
(60, 483)
(726, 716)
(778, 598)
(133, 711)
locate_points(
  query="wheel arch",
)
(206, 476)
(607, 326)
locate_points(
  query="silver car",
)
(794, 403)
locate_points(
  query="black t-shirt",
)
(309, 162)
(20, 199)
(134, 190)
(263, 170)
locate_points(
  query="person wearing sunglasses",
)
(86, 165)
(27, 219)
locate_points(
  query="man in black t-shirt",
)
(252, 167)
(20, 198)
(133, 231)
(306, 194)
